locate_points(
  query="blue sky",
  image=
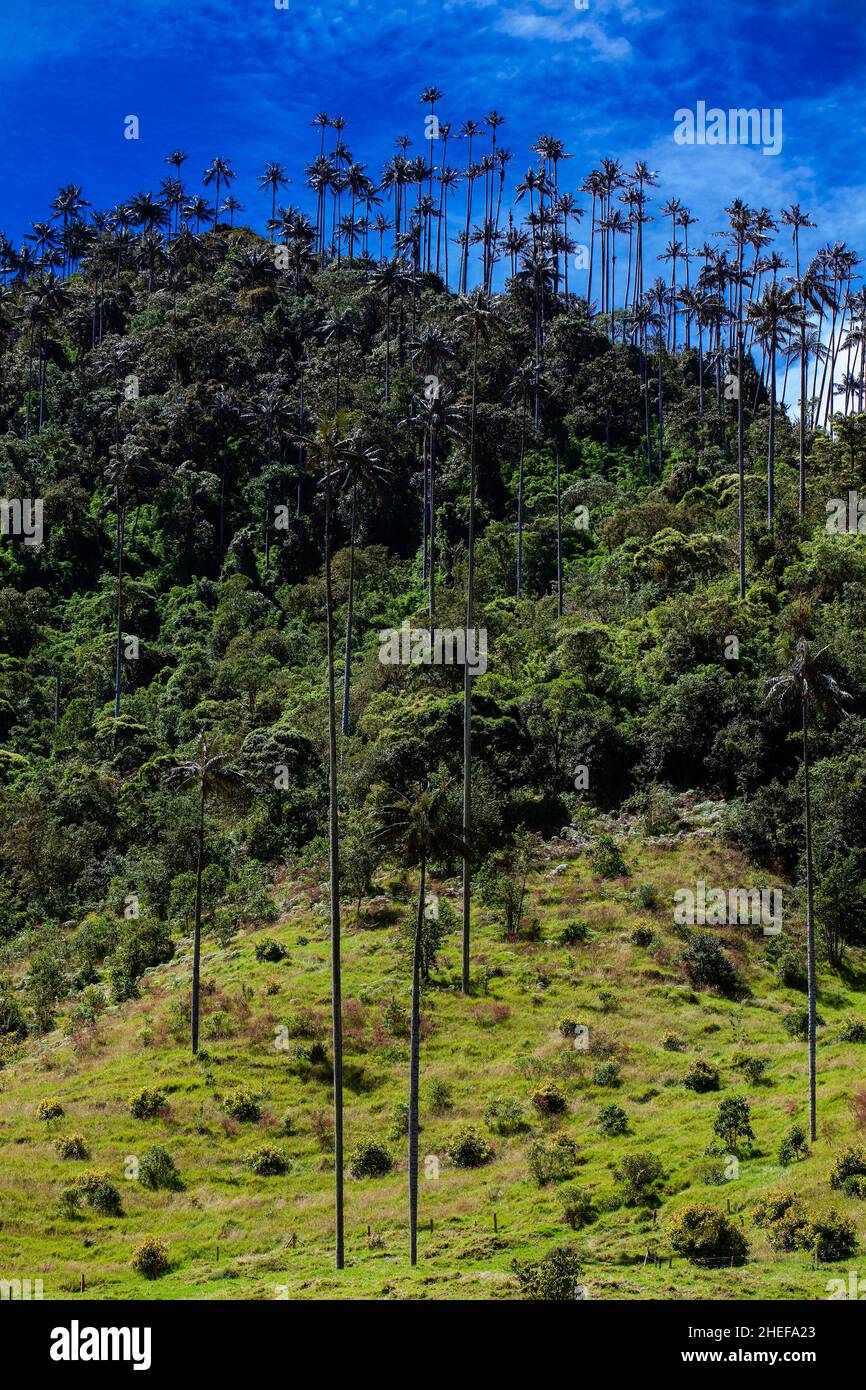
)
(242, 79)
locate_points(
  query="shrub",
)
(70, 1203)
(551, 1280)
(399, 1120)
(832, 1237)
(548, 1099)
(150, 1257)
(646, 895)
(706, 1236)
(642, 936)
(146, 1103)
(48, 1110)
(783, 1217)
(553, 1159)
(639, 1175)
(505, 1117)
(733, 1122)
(157, 1169)
(270, 950)
(612, 1120)
(853, 1031)
(709, 966)
(607, 1074)
(370, 1159)
(673, 1043)
(568, 1026)
(701, 1077)
(243, 1105)
(754, 1069)
(267, 1162)
(849, 1172)
(71, 1146)
(576, 1205)
(797, 1023)
(396, 1019)
(573, 933)
(440, 1095)
(606, 858)
(469, 1149)
(100, 1193)
(793, 1146)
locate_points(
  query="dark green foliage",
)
(708, 965)
(157, 1169)
(702, 1076)
(639, 1176)
(733, 1122)
(553, 1159)
(267, 1162)
(612, 1120)
(706, 1236)
(370, 1159)
(555, 1279)
(146, 1103)
(469, 1149)
(269, 950)
(243, 1105)
(794, 1146)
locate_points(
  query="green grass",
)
(231, 1234)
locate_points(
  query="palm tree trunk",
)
(520, 477)
(119, 636)
(741, 466)
(196, 935)
(347, 650)
(414, 1067)
(467, 679)
(431, 585)
(334, 865)
(810, 934)
(771, 440)
(558, 540)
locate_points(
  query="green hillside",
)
(234, 1235)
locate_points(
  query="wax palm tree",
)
(210, 772)
(326, 453)
(126, 473)
(805, 682)
(774, 317)
(356, 468)
(274, 178)
(342, 324)
(416, 821)
(519, 388)
(476, 320)
(220, 172)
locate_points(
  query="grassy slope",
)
(252, 1219)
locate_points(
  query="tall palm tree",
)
(774, 316)
(220, 172)
(356, 468)
(326, 453)
(417, 822)
(475, 319)
(127, 471)
(804, 682)
(210, 771)
(274, 178)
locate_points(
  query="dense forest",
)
(251, 477)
